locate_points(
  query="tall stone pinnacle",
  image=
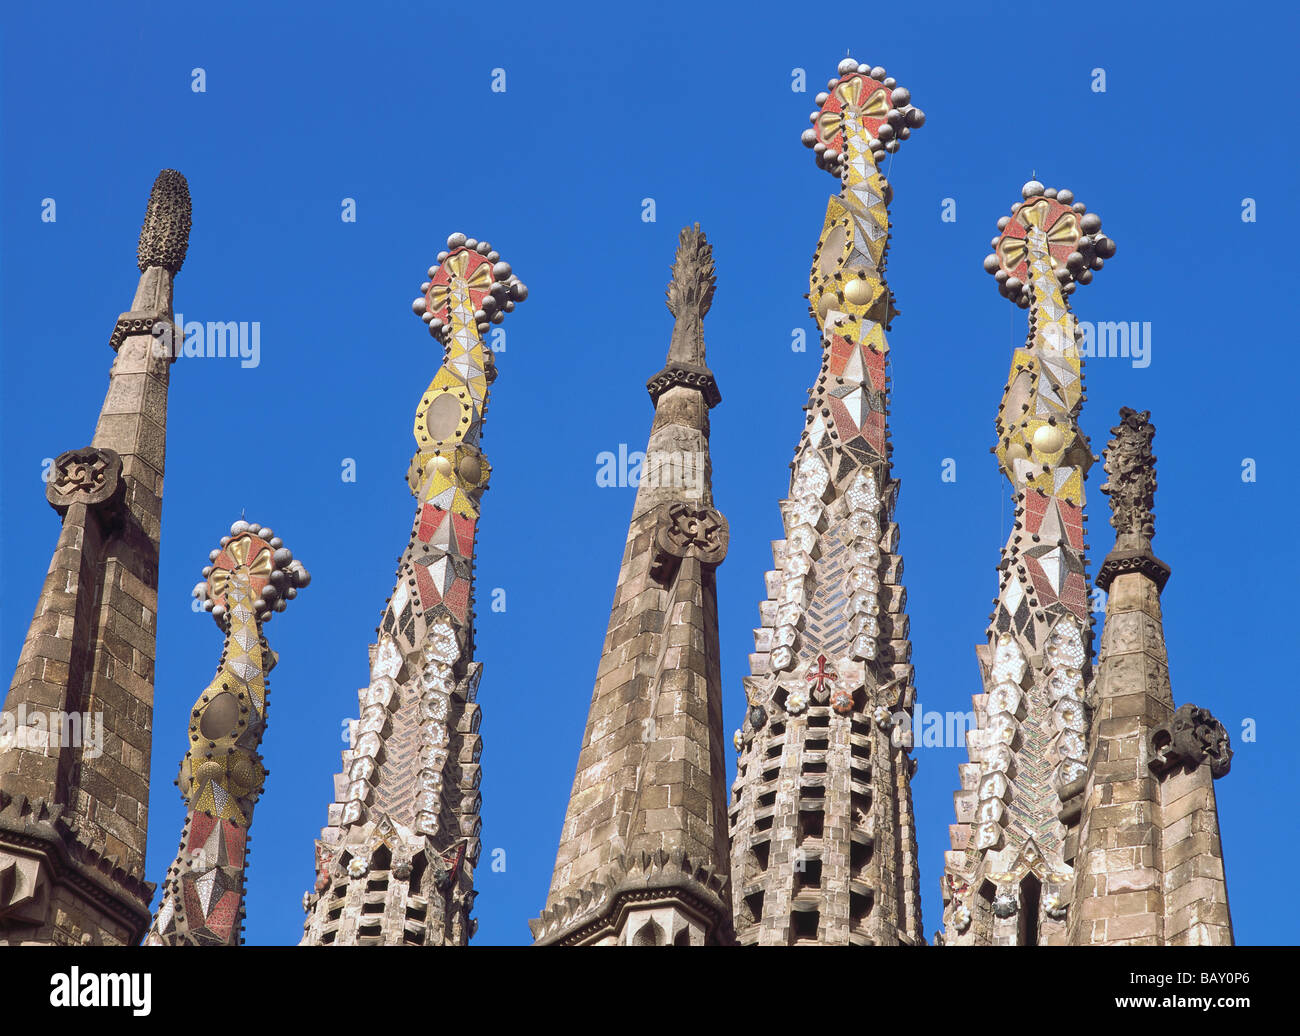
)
(1150, 863)
(1007, 877)
(395, 863)
(252, 575)
(823, 836)
(74, 807)
(643, 852)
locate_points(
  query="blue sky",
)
(392, 106)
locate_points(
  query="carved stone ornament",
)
(24, 890)
(1191, 737)
(130, 324)
(1131, 474)
(683, 531)
(165, 235)
(90, 476)
(689, 376)
(1122, 562)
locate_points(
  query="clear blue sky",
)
(392, 106)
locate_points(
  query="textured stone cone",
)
(165, 236)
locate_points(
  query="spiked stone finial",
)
(693, 275)
(1131, 469)
(165, 236)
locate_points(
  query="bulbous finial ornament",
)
(493, 288)
(253, 553)
(1076, 246)
(881, 107)
(165, 235)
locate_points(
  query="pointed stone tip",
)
(165, 236)
(693, 274)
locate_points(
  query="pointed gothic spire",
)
(1150, 867)
(405, 816)
(252, 575)
(74, 809)
(1007, 877)
(643, 851)
(822, 829)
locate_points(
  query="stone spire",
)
(395, 865)
(1007, 878)
(1150, 866)
(823, 836)
(643, 851)
(74, 784)
(251, 576)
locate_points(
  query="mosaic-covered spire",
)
(823, 834)
(1007, 876)
(252, 575)
(1150, 861)
(74, 785)
(643, 852)
(395, 865)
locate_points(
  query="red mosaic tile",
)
(236, 838)
(457, 598)
(424, 583)
(464, 530)
(875, 364)
(200, 827)
(873, 430)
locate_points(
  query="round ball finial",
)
(1032, 189)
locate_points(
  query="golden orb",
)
(471, 469)
(858, 290)
(1048, 439)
